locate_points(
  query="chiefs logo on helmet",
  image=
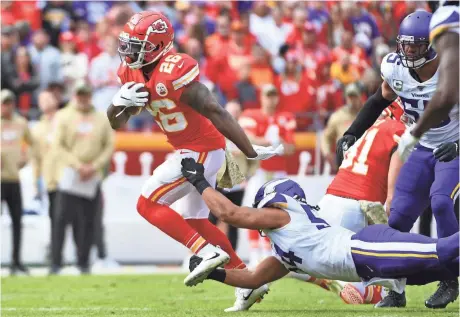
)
(159, 26)
(145, 39)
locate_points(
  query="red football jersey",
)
(279, 126)
(184, 127)
(363, 174)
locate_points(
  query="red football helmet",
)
(145, 38)
(394, 111)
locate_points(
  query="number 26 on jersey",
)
(170, 62)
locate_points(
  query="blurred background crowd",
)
(308, 64)
(309, 50)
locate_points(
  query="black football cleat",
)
(446, 293)
(393, 299)
(18, 269)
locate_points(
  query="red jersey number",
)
(356, 157)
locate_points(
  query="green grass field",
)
(165, 295)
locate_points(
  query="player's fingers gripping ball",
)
(143, 93)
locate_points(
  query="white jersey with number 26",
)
(308, 244)
(415, 96)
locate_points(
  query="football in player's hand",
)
(133, 111)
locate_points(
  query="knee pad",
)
(441, 204)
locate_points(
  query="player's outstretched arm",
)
(225, 210)
(198, 96)
(447, 94)
(269, 270)
(243, 217)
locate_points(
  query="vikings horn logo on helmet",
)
(159, 26)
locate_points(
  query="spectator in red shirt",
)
(310, 51)
(87, 42)
(217, 44)
(222, 68)
(21, 11)
(261, 69)
(297, 91)
(240, 45)
(287, 8)
(358, 56)
(266, 126)
(299, 18)
(328, 92)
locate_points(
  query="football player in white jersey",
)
(430, 175)
(303, 242)
(444, 35)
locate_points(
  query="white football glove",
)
(266, 152)
(128, 96)
(406, 144)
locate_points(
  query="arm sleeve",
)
(370, 112)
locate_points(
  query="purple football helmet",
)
(414, 47)
(280, 186)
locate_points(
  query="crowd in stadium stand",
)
(309, 50)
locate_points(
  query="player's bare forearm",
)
(243, 217)
(447, 94)
(116, 120)
(393, 172)
(269, 270)
(198, 96)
